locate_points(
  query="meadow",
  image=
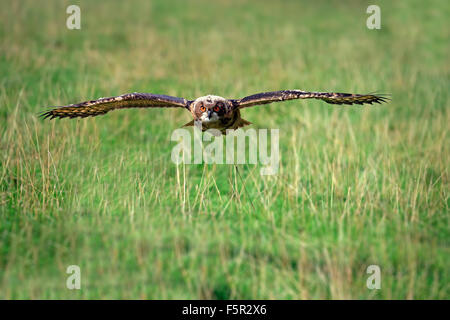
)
(357, 185)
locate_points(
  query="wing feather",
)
(103, 105)
(329, 97)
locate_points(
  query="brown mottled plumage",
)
(213, 112)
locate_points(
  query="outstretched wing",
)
(329, 97)
(104, 105)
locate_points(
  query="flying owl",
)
(212, 112)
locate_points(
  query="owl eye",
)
(202, 109)
(216, 109)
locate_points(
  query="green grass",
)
(356, 186)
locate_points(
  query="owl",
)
(211, 112)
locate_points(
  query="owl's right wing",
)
(104, 105)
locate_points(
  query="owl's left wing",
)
(103, 105)
(329, 97)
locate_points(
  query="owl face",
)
(210, 108)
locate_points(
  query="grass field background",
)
(357, 185)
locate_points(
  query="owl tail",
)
(239, 123)
(242, 123)
(190, 123)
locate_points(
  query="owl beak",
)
(209, 114)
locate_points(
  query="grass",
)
(356, 186)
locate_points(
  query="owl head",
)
(211, 108)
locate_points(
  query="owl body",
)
(215, 112)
